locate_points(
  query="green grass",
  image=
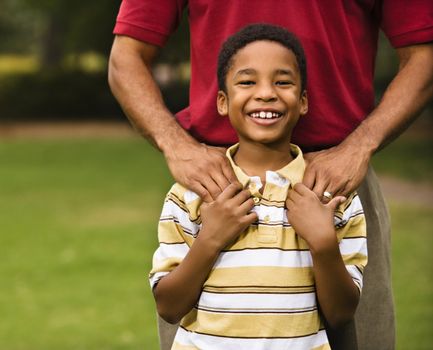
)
(407, 158)
(412, 241)
(77, 236)
(78, 220)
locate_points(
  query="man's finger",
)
(211, 187)
(228, 171)
(320, 187)
(201, 191)
(335, 190)
(343, 191)
(309, 177)
(221, 181)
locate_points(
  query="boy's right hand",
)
(224, 219)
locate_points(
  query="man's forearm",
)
(202, 169)
(402, 102)
(132, 84)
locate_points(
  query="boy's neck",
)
(255, 159)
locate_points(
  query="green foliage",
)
(18, 28)
(56, 94)
(69, 95)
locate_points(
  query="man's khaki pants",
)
(373, 328)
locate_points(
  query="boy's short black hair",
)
(257, 32)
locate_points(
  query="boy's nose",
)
(265, 93)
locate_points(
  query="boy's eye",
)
(246, 82)
(283, 82)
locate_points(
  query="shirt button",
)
(256, 200)
(266, 218)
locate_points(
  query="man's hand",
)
(224, 219)
(203, 169)
(338, 170)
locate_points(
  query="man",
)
(342, 130)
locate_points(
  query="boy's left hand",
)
(311, 219)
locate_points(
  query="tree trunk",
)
(52, 46)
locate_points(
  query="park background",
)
(81, 192)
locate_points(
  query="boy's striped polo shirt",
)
(260, 293)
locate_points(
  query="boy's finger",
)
(230, 191)
(301, 188)
(250, 218)
(293, 195)
(289, 203)
(241, 197)
(246, 206)
(335, 202)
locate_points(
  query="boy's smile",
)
(264, 98)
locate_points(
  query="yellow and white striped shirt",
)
(260, 293)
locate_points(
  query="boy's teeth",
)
(265, 115)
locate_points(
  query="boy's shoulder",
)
(184, 198)
(349, 209)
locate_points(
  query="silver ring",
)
(327, 195)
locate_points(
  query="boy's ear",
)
(222, 103)
(304, 103)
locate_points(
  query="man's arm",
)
(341, 169)
(205, 170)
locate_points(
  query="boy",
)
(249, 270)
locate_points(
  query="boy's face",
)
(264, 98)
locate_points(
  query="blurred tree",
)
(60, 26)
(17, 28)
(53, 29)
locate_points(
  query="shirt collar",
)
(293, 171)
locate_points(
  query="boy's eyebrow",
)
(251, 71)
(246, 71)
(285, 72)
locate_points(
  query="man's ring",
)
(327, 195)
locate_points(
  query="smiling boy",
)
(252, 269)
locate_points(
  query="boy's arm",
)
(337, 293)
(222, 221)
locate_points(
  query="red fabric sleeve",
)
(149, 20)
(407, 22)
